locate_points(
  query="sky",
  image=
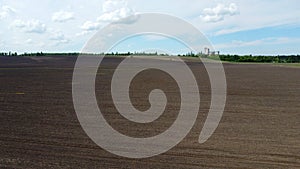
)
(258, 27)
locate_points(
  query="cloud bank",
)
(219, 12)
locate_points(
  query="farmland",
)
(39, 128)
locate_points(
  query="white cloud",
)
(29, 41)
(62, 16)
(59, 37)
(219, 12)
(259, 14)
(31, 26)
(2, 43)
(226, 31)
(259, 42)
(6, 11)
(82, 33)
(113, 11)
(116, 15)
(90, 26)
(112, 5)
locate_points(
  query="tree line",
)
(261, 59)
(37, 54)
(222, 57)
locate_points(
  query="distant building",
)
(210, 53)
(206, 51)
(215, 53)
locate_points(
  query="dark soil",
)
(39, 128)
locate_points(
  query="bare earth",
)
(260, 127)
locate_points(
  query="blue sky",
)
(269, 27)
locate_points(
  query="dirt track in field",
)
(260, 127)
